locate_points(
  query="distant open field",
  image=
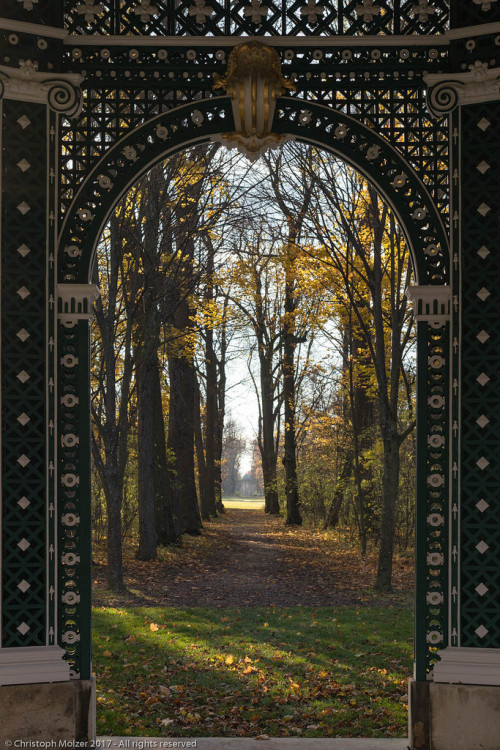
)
(244, 503)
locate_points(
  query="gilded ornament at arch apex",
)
(253, 81)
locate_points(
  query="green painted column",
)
(73, 470)
(30, 597)
(472, 655)
(432, 314)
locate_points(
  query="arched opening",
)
(419, 229)
(244, 275)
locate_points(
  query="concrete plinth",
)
(464, 717)
(48, 711)
(418, 715)
(454, 716)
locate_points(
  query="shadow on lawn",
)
(298, 671)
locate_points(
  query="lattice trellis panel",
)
(257, 17)
(480, 469)
(382, 87)
(122, 165)
(359, 144)
(35, 11)
(23, 376)
(471, 12)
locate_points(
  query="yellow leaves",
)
(249, 668)
(243, 666)
(154, 627)
(212, 314)
(191, 718)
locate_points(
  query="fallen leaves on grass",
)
(212, 686)
(250, 558)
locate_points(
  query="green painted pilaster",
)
(431, 605)
(25, 521)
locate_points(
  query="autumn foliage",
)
(295, 269)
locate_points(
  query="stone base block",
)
(418, 715)
(453, 717)
(48, 711)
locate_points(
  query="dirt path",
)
(248, 558)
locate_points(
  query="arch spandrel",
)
(207, 120)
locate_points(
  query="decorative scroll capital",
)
(61, 91)
(253, 81)
(74, 302)
(444, 93)
(431, 303)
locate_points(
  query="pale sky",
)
(241, 404)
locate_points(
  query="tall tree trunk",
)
(110, 452)
(388, 386)
(113, 496)
(268, 453)
(181, 430)
(333, 514)
(293, 516)
(211, 413)
(221, 413)
(163, 491)
(390, 484)
(211, 422)
(146, 461)
(362, 417)
(200, 458)
(295, 215)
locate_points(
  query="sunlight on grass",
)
(298, 671)
(243, 503)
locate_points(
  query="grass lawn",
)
(290, 671)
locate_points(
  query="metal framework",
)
(94, 93)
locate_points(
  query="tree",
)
(362, 242)
(258, 296)
(112, 376)
(233, 447)
(153, 255)
(293, 200)
(256, 469)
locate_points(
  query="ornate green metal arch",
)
(367, 151)
(200, 122)
(375, 70)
